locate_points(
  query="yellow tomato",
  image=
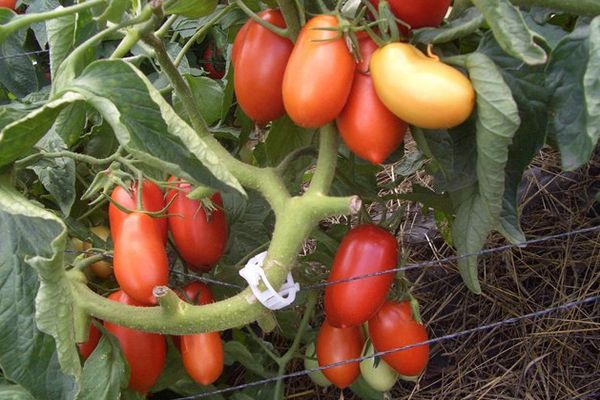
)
(421, 90)
(102, 269)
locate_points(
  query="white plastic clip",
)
(253, 274)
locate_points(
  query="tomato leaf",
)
(33, 237)
(190, 8)
(236, 351)
(10, 391)
(467, 22)
(497, 122)
(574, 78)
(284, 137)
(22, 78)
(208, 94)
(147, 125)
(511, 31)
(105, 372)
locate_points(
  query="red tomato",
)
(202, 354)
(86, 348)
(259, 66)
(319, 74)
(214, 62)
(367, 127)
(339, 344)
(419, 13)
(393, 327)
(238, 42)
(200, 239)
(365, 249)
(12, 4)
(140, 260)
(152, 200)
(145, 352)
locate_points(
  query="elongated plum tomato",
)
(419, 89)
(145, 352)
(393, 327)
(377, 373)
(339, 344)
(200, 238)
(214, 62)
(365, 124)
(364, 250)
(238, 42)
(202, 354)
(12, 4)
(140, 260)
(259, 66)
(319, 74)
(86, 348)
(152, 200)
(419, 13)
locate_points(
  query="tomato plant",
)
(152, 200)
(145, 352)
(260, 62)
(339, 344)
(364, 250)
(319, 73)
(199, 234)
(368, 128)
(433, 94)
(86, 348)
(393, 327)
(140, 259)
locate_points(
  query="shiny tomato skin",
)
(421, 90)
(365, 124)
(419, 13)
(152, 200)
(12, 4)
(238, 42)
(86, 348)
(394, 326)
(200, 240)
(260, 63)
(145, 352)
(339, 344)
(202, 354)
(319, 74)
(364, 250)
(140, 260)
(212, 61)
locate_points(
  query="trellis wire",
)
(492, 325)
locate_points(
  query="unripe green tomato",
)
(381, 377)
(311, 362)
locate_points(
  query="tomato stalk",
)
(284, 32)
(293, 14)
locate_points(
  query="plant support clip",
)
(254, 274)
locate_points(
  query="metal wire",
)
(455, 335)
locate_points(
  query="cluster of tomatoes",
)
(371, 92)
(349, 304)
(140, 264)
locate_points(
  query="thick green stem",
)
(24, 162)
(275, 29)
(292, 17)
(325, 170)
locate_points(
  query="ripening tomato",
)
(393, 327)
(202, 354)
(367, 127)
(238, 42)
(311, 362)
(214, 63)
(319, 74)
(260, 61)
(102, 269)
(419, 13)
(419, 89)
(376, 372)
(12, 4)
(152, 200)
(145, 352)
(200, 235)
(364, 250)
(339, 344)
(140, 260)
(86, 348)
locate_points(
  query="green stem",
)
(275, 29)
(162, 31)
(262, 345)
(134, 34)
(293, 14)
(293, 156)
(24, 162)
(25, 20)
(201, 32)
(325, 169)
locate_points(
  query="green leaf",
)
(190, 8)
(236, 351)
(573, 75)
(39, 29)
(19, 137)
(147, 126)
(362, 389)
(70, 123)
(285, 136)
(105, 372)
(61, 39)
(208, 94)
(57, 174)
(18, 73)
(173, 371)
(33, 237)
(428, 198)
(511, 31)
(115, 10)
(10, 391)
(468, 22)
(498, 120)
